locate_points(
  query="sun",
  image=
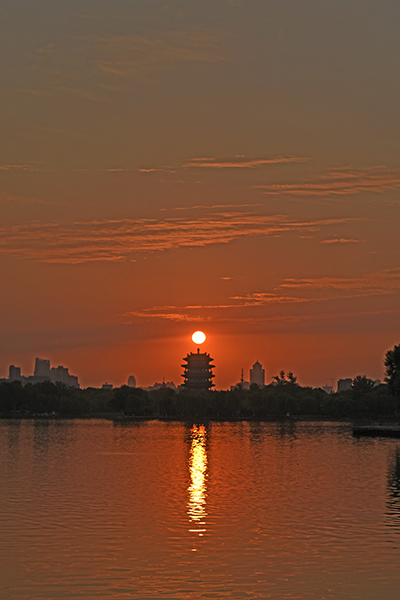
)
(199, 337)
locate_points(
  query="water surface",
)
(93, 509)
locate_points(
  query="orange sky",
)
(223, 165)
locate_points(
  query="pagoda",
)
(198, 373)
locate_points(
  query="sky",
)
(224, 165)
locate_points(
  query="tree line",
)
(283, 398)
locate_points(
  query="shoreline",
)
(118, 418)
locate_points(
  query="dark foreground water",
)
(92, 509)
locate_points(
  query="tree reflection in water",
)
(196, 507)
(393, 499)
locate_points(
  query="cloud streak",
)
(253, 318)
(240, 313)
(380, 282)
(127, 56)
(340, 182)
(237, 162)
(29, 168)
(340, 241)
(253, 307)
(197, 312)
(14, 199)
(116, 240)
(240, 162)
(213, 206)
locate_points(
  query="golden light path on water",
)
(196, 507)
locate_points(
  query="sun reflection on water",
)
(196, 507)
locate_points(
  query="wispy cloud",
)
(340, 182)
(127, 56)
(339, 241)
(255, 306)
(17, 199)
(210, 312)
(20, 167)
(81, 93)
(34, 92)
(240, 162)
(380, 282)
(252, 318)
(123, 239)
(263, 298)
(47, 49)
(217, 206)
(87, 67)
(155, 170)
(240, 313)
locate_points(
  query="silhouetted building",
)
(43, 372)
(344, 384)
(327, 388)
(61, 374)
(42, 368)
(107, 386)
(161, 386)
(131, 381)
(14, 373)
(257, 374)
(198, 374)
(242, 385)
(73, 381)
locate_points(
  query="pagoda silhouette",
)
(198, 374)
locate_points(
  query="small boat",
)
(377, 430)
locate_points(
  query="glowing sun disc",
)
(199, 337)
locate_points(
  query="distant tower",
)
(257, 374)
(14, 373)
(42, 368)
(131, 381)
(198, 373)
(344, 384)
(60, 374)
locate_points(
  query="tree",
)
(132, 401)
(11, 397)
(392, 364)
(360, 386)
(283, 379)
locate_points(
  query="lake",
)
(154, 510)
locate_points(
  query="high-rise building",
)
(198, 374)
(257, 374)
(42, 373)
(42, 368)
(61, 374)
(344, 384)
(14, 373)
(131, 381)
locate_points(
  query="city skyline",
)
(256, 375)
(42, 372)
(224, 165)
